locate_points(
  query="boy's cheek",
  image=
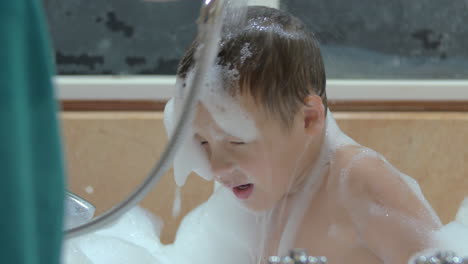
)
(261, 170)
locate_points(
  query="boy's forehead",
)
(243, 103)
(203, 118)
(228, 120)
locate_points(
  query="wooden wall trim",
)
(399, 106)
(112, 105)
(335, 105)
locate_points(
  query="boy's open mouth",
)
(243, 191)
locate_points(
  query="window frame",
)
(162, 88)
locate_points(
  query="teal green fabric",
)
(31, 170)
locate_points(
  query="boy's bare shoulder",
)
(362, 173)
(382, 204)
(365, 178)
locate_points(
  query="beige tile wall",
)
(110, 153)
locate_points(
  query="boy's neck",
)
(308, 161)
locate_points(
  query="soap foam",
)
(454, 236)
(224, 109)
(89, 189)
(190, 156)
(177, 203)
(245, 52)
(134, 238)
(462, 214)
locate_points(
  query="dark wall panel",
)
(389, 39)
(370, 39)
(120, 36)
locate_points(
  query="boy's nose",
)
(222, 168)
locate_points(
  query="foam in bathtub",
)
(218, 231)
(134, 238)
(451, 237)
(462, 214)
(454, 236)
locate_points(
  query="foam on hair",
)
(224, 109)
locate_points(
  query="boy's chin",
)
(257, 202)
(258, 205)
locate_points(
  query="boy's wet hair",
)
(278, 60)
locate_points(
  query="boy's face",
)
(261, 171)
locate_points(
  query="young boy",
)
(285, 155)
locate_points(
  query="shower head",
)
(77, 211)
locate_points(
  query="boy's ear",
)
(314, 114)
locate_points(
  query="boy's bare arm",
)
(390, 218)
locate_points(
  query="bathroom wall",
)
(380, 39)
(364, 39)
(110, 153)
(120, 36)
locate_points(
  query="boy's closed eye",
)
(237, 143)
(232, 142)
